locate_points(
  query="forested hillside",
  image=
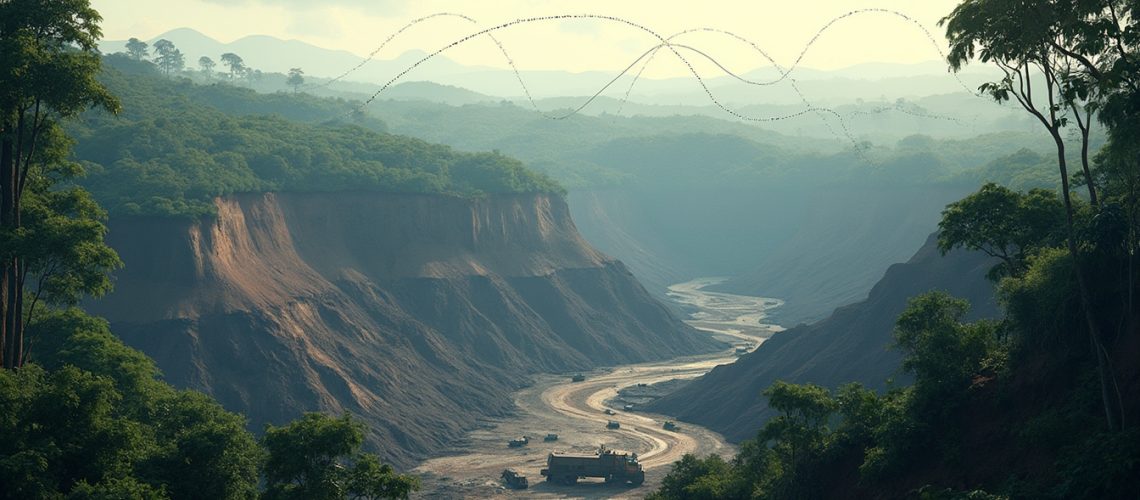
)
(853, 344)
(1040, 403)
(812, 221)
(81, 414)
(176, 145)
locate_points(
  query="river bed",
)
(576, 411)
(742, 317)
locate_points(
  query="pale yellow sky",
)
(782, 28)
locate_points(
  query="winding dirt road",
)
(576, 411)
(585, 401)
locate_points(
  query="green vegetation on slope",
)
(89, 417)
(178, 145)
(589, 152)
(1042, 403)
(81, 414)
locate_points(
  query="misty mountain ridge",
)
(274, 55)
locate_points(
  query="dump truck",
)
(613, 424)
(578, 378)
(514, 480)
(519, 442)
(614, 467)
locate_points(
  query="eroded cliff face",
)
(418, 313)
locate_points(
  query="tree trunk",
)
(8, 185)
(1085, 163)
(1110, 414)
(1085, 126)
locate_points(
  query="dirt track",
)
(576, 412)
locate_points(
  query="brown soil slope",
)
(418, 313)
(851, 345)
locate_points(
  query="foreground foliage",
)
(1043, 403)
(89, 418)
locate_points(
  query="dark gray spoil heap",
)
(851, 345)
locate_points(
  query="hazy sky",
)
(782, 28)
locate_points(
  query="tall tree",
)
(136, 49)
(169, 58)
(207, 65)
(1039, 46)
(252, 75)
(296, 79)
(235, 63)
(163, 46)
(47, 74)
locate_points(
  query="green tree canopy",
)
(235, 63)
(90, 419)
(295, 79)
(1004, 224)
(317, 457)
(48, 74)
(136, 49)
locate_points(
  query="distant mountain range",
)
(863, 81)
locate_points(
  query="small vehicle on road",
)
(670, 426)
(613, 424)
(628, 408)
(578, 378)
(514, 480)
(550, 437)
(518, 442)
(609, 411)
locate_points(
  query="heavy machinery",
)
(550, 437)
(670, 426)
(514, 480)
(614, 467)
(613, 424)
(609, 412)
(578, 378)
(519, 442)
